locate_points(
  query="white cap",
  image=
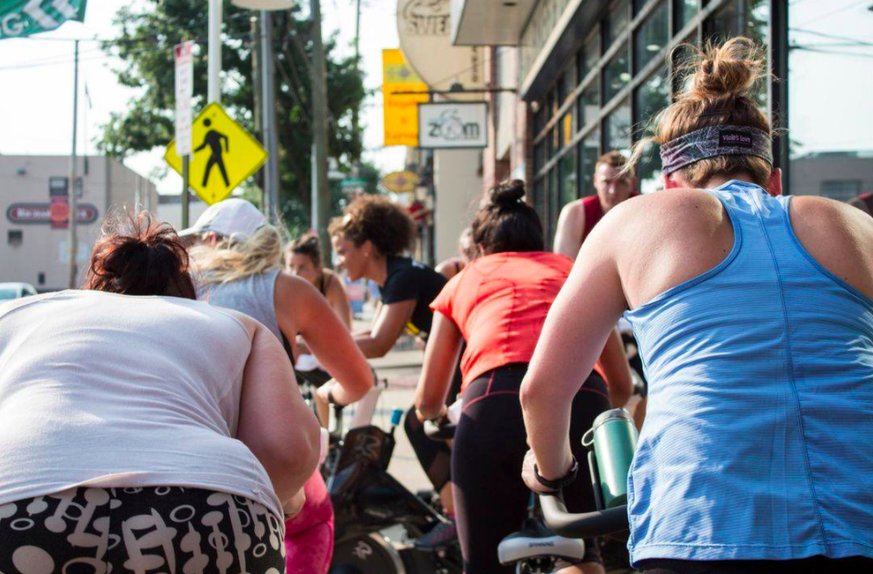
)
(235, 218)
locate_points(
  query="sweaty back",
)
(757, 436)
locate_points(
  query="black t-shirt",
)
(408, 279)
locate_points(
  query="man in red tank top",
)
(579, 217)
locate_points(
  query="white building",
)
(34, 233)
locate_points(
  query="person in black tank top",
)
(370, 240)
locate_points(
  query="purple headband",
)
(714, 141)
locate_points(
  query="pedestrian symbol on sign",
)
(213, 139)
(216, 166)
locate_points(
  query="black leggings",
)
(435, 456)
(138, 529)
(490, 444)
(814, 565)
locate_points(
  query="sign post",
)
(453, 125)
(225, 155)
(184, 91)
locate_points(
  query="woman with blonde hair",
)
(754, 318)
(238, 265)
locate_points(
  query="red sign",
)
(54, 213)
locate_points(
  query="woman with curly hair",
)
(370, 240)
(137, 424)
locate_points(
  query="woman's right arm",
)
(274, 422)
(300, 308)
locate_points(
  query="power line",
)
(832, 36)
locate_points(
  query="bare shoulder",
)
(573, 210)
(289, 284)
(671, 211)
(838, 236)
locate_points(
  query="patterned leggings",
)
(139, 530)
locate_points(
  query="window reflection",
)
(652, 36)
(589, 55)
(617, 21)
(588, 106)
(650, 98)
(685, 11)
(588, 151)
(568, 189)
(616, 74)
(618, 128)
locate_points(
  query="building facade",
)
(34, 231)
(589, 75)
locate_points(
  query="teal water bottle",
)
(614, 439)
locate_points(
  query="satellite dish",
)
(264, 4)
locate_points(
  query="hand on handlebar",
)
(528, 475)
(444, 410)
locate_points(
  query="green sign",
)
(353, 182)
(20, 18)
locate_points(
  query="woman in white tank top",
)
(142, 429)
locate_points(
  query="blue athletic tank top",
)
(758, 440)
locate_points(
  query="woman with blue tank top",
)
(754, 316)
(238, 261)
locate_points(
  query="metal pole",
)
(319, 126)
(260, 177)
(313, 186)
(214, 59)
(71, 189)
(271, 181)
(356, 111)
(186, 198)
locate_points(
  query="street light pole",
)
(271, 179)
(72, 218)
(321, 191)
(214, 54)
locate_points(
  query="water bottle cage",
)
(562, 482)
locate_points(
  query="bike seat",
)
(528, 544)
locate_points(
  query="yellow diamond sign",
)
(223, 155)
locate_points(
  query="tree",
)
(145, 44)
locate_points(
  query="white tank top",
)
(100, 389)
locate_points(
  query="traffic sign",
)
(19, 18)
(184, 91)
(400, 181)
(225, 155)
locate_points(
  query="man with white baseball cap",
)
(234, 218)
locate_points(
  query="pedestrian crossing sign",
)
(223, 155)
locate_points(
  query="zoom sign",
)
(453, 125)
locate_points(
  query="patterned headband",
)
(714, 141)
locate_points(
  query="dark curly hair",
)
(307, 245)
(506, 222)
(389, 227)
(136, 256)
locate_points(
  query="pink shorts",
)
(309, 535)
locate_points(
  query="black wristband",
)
(562, 482)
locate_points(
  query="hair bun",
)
(508, 193)
(727, 71)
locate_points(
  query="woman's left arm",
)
(573, 336)
(339, 300)
(440, 359)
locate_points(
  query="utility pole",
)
(271, 177)
(256, 89)
(357, 111)
(72, 202)
(321, 191)
(213, 90)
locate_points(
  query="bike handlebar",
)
(581, 525)
(441, 429)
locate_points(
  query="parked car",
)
(15, 290)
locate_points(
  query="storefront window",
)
(617, 21)
(830, 107)
(685, 11)
(568, 189)
(618, 128)
(539, 156)
(588, 106)
(650, 98)
(539, 198)
(588, 151)
(588, 55)
(567, 130)
(616, 74)
(652, 36)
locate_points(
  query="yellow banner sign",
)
(400, 110)
(224, 155)
(400, 181)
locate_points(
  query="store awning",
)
(492, 23)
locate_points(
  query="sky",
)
(830, 92)
(36, 83)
